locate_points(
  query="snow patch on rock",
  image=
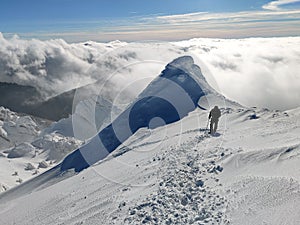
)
(56, 146)
(22, 150)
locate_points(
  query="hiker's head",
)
(216, 107)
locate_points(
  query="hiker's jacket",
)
(215, 114)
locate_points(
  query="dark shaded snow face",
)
(167, 99)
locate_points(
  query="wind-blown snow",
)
(179, 174)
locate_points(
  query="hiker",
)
(214, 115)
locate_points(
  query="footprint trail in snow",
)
(188, 190)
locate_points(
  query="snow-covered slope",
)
(25, 151)
(168, 98)
(90, 115)
(178, 174)
(175, 173)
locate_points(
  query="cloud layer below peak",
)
(261, 72)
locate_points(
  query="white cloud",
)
(230, 17)
(51, 65)
(260, 72)
(275, 5)
(54, 66)
(256, 23)
(216, 25)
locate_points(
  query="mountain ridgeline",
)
(167, 99)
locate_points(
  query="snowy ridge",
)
(174, 172)
(56, 147)
(168, 98)
(178, 175)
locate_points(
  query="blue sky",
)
(104, 20)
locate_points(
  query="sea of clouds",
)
(261, 72)
(52, 66)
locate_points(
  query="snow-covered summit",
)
(187, 64)
(167, 99)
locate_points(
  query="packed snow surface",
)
(178, 174)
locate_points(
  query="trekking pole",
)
(207, 125)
